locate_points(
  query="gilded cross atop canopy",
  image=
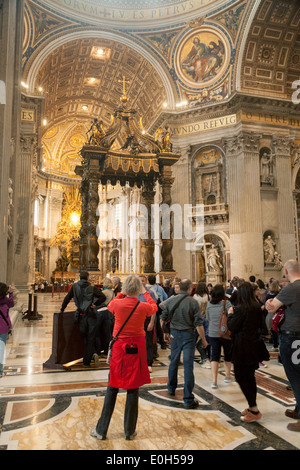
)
(124, 81)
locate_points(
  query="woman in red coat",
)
(127, 371)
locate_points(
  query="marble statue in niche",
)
(271, 256)
(266, 167)
(269, 249)
(213, 260)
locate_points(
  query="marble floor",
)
(44, 409)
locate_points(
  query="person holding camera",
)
(6, 302)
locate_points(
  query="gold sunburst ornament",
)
(68, 228)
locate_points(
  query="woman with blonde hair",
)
(128, 363)
(108, 289)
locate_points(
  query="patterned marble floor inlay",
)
(44, 409)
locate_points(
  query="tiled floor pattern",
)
(42, 409)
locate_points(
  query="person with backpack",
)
(84, 295)
(217, 304)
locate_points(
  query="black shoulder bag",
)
(166, 325)
(115, 338)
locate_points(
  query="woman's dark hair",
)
(217, 294)
(3, 290)
(201, 289)
(245, 296)
(260, 284)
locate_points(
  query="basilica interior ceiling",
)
(76, 54)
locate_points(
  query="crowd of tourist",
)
(127, 323)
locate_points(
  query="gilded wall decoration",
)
(213, 95)
(61, 145)
(231, 18)
(77, 141)
(44, 22)
(208, 156)
(202, 57)
(67, 233)
(163, 42)
(51, 133)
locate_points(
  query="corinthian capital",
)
(28, 143)
(282, 145)
(233, 145)
(251, 141)
(243, 142)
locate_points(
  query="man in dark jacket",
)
(184, 314)
(84, 294)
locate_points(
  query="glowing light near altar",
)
(74, 219)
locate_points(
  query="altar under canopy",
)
(141, 161)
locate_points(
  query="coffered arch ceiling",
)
(271, 60)
(83, 79)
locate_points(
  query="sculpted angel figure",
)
(97, 132)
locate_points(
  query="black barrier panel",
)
(67, 343)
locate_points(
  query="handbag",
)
(277, 319)
(131, 348)
(223, 327)
(115, 338)
(262, 352)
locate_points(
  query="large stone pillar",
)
(11, 41)
(148, 194)
(244, 204)
(181, 192)
(24, 255)
(90, 172)
(92, 245)
(285, 203)
(83, 229)
(166, 181)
